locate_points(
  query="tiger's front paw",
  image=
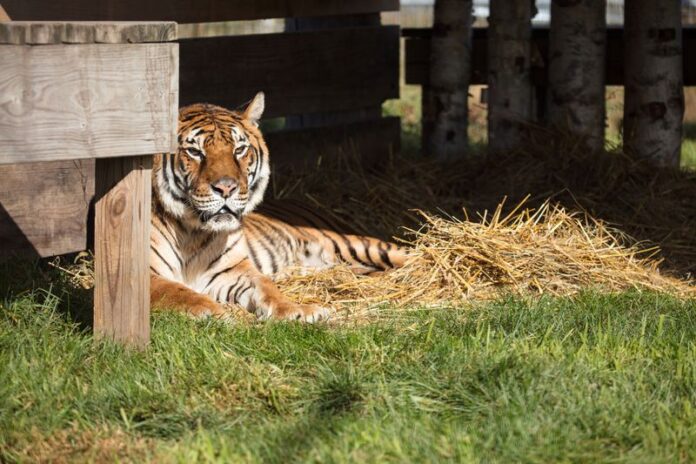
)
(206, 309)
(310, 313)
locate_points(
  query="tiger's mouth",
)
(220, 214)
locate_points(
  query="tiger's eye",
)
(194, 153)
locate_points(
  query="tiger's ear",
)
(254, 110)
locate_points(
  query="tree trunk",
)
(577, 50)
(446, 113)
(654, 98)
(509, 84)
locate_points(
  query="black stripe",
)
(212, 279)
(171, 247)
(226, 250)
(267, 247)
(285, 241)
(240, 292)
(383, 254)
(154, 271)
(366, 245)
(337, 249)
(254, 258)
(229, 291)
(352, 251)
(163, 260)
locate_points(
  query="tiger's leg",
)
(165, 293)
(244, 285)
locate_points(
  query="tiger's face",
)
(221, 168)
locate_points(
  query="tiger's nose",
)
(225, 186)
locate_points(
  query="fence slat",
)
(303, 72)
(186, 11)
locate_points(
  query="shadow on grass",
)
(38, 277)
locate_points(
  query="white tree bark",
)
(654, 98)
(510, 100)
(577, 51)
(445, 103)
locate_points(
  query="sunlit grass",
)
(590, 378)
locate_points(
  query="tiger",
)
(211, 245)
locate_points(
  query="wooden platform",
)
(77, 99)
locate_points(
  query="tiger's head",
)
(221, 168)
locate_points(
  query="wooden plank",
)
(186, 11)
(298, 121)
(61, 102)
(371, 141)
(44, 207)
(49, 32)
(301, 72)
(122, 249)
(418, 56)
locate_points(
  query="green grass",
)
(607, 378)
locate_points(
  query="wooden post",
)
(122, 249)
(509, 83)
(654, 97)
(445, 116)
(577, 49)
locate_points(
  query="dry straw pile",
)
(547, 251)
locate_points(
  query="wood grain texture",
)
(50, 32)
(122, 248)
(44, 207)
(186, 11)
(418, 56)
(301, 72)
(372, 142)
(62, 102)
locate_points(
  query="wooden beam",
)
(303, 72)
(371, 141)
(49, 32)
(60, 102)
(185, 11)
(44, 207)
(122, 249)
(418, 56)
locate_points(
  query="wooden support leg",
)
(121, 249)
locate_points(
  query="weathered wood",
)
(61, 102)
(654, 97)
(302, 72)
(44, 207)
(46, 32)
(577, 54)
(371, 141)
(186, 11)
(418, 56)
(122, 249)
(297, 121)
(509, 80)
(445, 103)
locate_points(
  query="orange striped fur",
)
(209, 245)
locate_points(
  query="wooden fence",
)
(329, 80)
(418, 59)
